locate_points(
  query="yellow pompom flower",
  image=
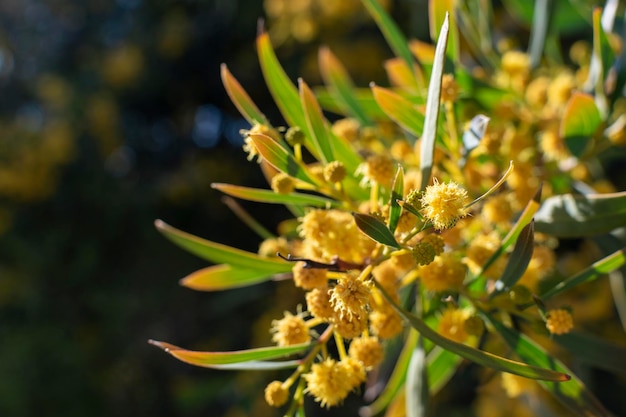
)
(451, 324)
(309, 278)
(366, 350)
(318, 304)
(349, 327)
(449, 88)
(329, 382)
(377, 168)
(290, 330)
(385, 323)
(559, 321)
(350, 297)
(276, 394)
(444, 204)
(334, 172)
(283, 183)
(446, 272)
(424, 253)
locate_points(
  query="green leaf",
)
(525, 218)
(392, 34)
(279, 158)
(581, 120)
(609, 243)
(400, 110)
(573, 393)
(224, 277)
(240, 99)
(442, 364)
(478, 356)
(542, 14)
(218, 253)
(220, 359)
(269, 196)
(282, 89)
(572, 216)
(594, 271)
(375, 229)
(566, 18)
(602, 50)
(316, 123)
(594, 351)
(363, 96)
(440, 11)
(397, 191)
(429, 135)
(519, 260)
(341, 86)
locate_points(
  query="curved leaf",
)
(375, 229)
(431, 118)
(416, 386)
(573, 393)
(279, 158)
(478, 356)
(581, 120)
(241, 99)
(211, 359)
(218, 253)
(363, 96)
(340, 85)
(397, 190)
(224, 277)
(595, 270)
(519, 260)
(315, 122)
(585, 215)
(269, 196)
(400, 110)
(594, 351)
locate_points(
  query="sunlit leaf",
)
(397, 190)
(416, 386)
(442, 364)
(363, 96)
(427, 149)
(375, 229)
(566, 18)
(573, 393)
(279, 158)
(581, 120)
(400, 74)
(439, 12)
(478, 356)
(283, 91)
(340, 85)
(218, 253)
(220, 359)
(602, 49)
(316, 123)
(391, 32)
(594, 271)
(594, 351)
(581, 215)
(269, 196)
(240, 99)
(224, 277)
(542, 15)
(518, 261)
(400, 110)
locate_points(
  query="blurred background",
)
(112, 114)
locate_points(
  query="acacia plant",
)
(430, 213)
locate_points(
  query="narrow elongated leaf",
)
(581, 120)
(442, 365)
(375, 229)
(210, 359)
(602, 49)
(400, 110)
(525, 218)
(391, 32)
(363, 96)
(609, 243)
(283, 91)
(269, 196)
(218, 253)
(241, 99)
(539, 30)
(315, 122)
(427, 149)
(594, 271)
(573, 394)
(594, 351)
(279, 158)
(224, 277)
(519, 260)
(576, 216)
(440, 11)
(341, 86)
(478, 356)
(400, 74)
(258, 366)
(397, 189)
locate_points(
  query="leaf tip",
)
(158, 344)
(160, 224)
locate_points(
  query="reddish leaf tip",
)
(160, 224)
